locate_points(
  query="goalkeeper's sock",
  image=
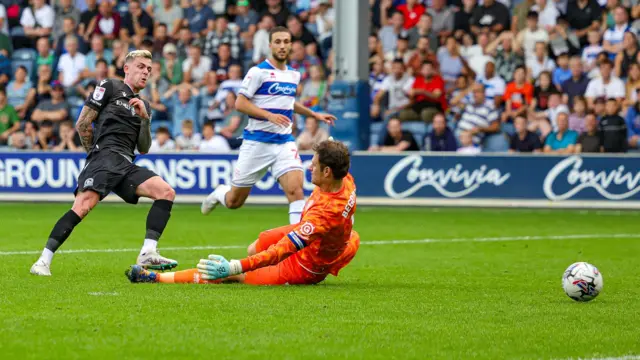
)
(60, 232)
(295, 211)
(220, 193)
(190, 276)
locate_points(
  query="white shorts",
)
(256, 158)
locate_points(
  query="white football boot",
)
(41, 268)
(154, 261)
(210, 202)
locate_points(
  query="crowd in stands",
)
(555, 76)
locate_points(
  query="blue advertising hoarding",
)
(409, 179)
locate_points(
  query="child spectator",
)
(467, 146)
(518, 95)
(188, 139)
(562, 72)
(311, 135)
(211, 142)
(69, 139)
(577, 117)
(591, 52)
(613, 129)
(162, 142)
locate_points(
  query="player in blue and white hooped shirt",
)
(268, 96)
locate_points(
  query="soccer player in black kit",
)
(112, 123)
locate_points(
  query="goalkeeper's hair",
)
(137, 54)
(335, 155)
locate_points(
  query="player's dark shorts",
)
(106, 171)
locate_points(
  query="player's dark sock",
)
(62, 230)
(158, 218)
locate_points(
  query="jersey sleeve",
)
(100, 97)
(251, 83)
(312, 227)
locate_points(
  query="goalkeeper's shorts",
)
(290, 271)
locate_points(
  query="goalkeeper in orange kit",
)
(322, 243)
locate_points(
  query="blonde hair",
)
(137, 54)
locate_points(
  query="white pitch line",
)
(379, 242)
(626, 357)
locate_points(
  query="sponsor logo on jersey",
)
(88, 182)
(124, 94)
(307, 229)
(282, 89)
(98, 93)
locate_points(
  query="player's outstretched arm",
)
(84, 128)
(306, 112)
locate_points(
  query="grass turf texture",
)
(457, 300)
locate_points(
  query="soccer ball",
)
(582, 281)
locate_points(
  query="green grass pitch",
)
(444, 299)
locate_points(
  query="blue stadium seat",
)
(496, 143)
(26, 58)
(418, 129)
(24, 54)
(17, 31)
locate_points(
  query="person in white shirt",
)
(261, 39)
(38, 21)
(467, 146)
(4, 22)
(478, 60)
(188, 140)
(540, 62)
(71, 64)
(162, 142)
(607, 85)
(529, 37)
(591, 52)
(212, 142)
(196, 66)
(397, 85)
(548, 13)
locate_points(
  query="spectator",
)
(477, 56)
(396, 85)
(607, 85)
(440, 138)
(491, 16)
(43, 87)
(325, 19)
(479, 118)
(65, 9)
(402, 50)
(188, 139)
(86, 17)
(18, 141)
(246, 19)
(171, 64)
(9, 121)
(69, 139)
(160, 39)
(185, 39)
(548, 13)
(421, 54)
(523, 140)
(198, 18)
(590, 141)
(591, 52)
(427, 96)
(314, 89)
(232, 126)
(529, 37)
(107, 23)
(98, 52)
(633, 125)
(261, 39)
(518, 96)
(467, 146)
(627, 56)
(184, 104)
(451, 63)
(31, 130)
(462, 18)
(577, 84)
(563, 40)
(460, 97)
(299, 31)
(542, 92)
(211, 142)
(71, 64)
(556, 107)
(116, 68)
(222, 34)
(69, 29)
(162, 142)
(424, 29)
(614, 35)
(45, 54)
(46, 138)
(411, 11)
(613, 129)
(101, 73)
(55, 109)
(20, 91)
(632, 85)
(562, 72)
(578, 116)
(38, 20)
(599, 108)
(443, 17)
(563, 140)
(223, 62)
(234, 82)
(507, 57)
(300, 61)
(389, 33)
(376, 76)
(494, 85)
(584, 15)
(396, 139)
(540, 62)
(311, 135)
(169, 14)
(156, 87)
(195, 66)
(278, 11)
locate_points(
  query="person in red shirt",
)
(518, 95)
(411, 12)
(322, 243)
(427, 95)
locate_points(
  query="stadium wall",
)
(414, 179)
